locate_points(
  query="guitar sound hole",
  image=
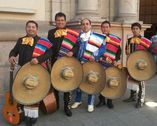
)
(11, 114)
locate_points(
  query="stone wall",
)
(23, 10)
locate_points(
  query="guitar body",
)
(49, 104)
(10, 110)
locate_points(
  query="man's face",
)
(136, 30)
(60, 22)
(31, 29)
(105, 28)
(85, 26)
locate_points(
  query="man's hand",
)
(34, 61)
(12, 60)
(70, 54)
(108, 60)
(118, 64)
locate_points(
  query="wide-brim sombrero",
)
(66, 74)
(141, 65)
(95, 72)
(28, 95)
(115, 86)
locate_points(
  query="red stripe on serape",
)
(67, 45)
(94, 43)
(114, 43)
(71, 38)
(47, 44)
(115, 39)
(107, 55)
(111, 48)
(140, 47)
(144, 44)
(36, 50)
(146, 41)
(73, 32)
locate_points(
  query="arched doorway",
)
(148, 14)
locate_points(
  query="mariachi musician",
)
(63, 40)
(111, 57)
(89, 49)
(28, 47)
(137, 42)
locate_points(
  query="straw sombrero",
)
(93, 78)
(66, 74)
(31, 84)
(115, 86)
(141, 65)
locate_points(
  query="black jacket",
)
(25, 52)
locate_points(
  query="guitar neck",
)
(11, 84)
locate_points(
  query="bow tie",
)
(60, 33)
(108, 39)
(135, 40)
(28, 41)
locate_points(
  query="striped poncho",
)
(68, 42)
(41, 47)
(112, 47)
(94, 46)
(137, 43)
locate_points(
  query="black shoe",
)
(28, 121)
(132, 97)
(33, 120)
(109, 104)
(67, 111)
(101, 101)
(139, 105)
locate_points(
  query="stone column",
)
(128, 11)
(87, 8)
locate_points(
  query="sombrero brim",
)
(25, 96)
(61, 84)
(141, 75)
(115, 92)
(95, 87)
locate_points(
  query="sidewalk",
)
(123, 114)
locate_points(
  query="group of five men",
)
(108, 54)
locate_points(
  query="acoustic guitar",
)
(10, 110)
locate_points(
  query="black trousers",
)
(66, 98)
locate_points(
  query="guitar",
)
(10, 110)
(49, 104)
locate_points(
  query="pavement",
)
(123, 114)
